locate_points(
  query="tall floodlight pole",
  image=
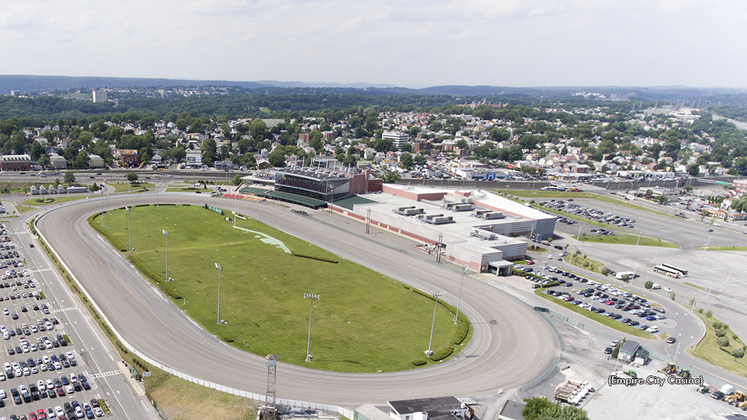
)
(156, 184)
(639, 239)
(167, 254)
(436, 295)
(459, 302)
(312, 298)
(728, 276)
(220, 270)
(706, 247)
(129, 227)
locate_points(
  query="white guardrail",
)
(233, 391)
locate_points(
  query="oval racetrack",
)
(511, 344)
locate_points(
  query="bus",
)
(670, 266)
(667, 271)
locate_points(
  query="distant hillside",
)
(26, 83)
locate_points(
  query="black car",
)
(633, 323)
(608, 350)
(717, 395)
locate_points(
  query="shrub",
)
(586, 264)
(649, 284)
(419, 362)
(709, 314)
(461, 332)
(442, 354)
(717, 325)
(605, 271)
(723, 342)
(720, 333)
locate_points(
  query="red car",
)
(530, 262)
(32, 416)
(60, 392)
(40, 414)
(671, 340)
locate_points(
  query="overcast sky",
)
(412, 43)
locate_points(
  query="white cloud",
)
(416, 42)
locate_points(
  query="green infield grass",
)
(364, 322)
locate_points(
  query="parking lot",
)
(43, 377)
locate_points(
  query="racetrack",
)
(511, 344)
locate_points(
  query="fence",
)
(233, 391)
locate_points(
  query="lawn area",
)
(184, 400)
(364, 322)
(694, 285)
(51, 200)
(617, 325)
(23, 209)
(625, 239)
(187, 188)
(120, 187)
(580, 260)
(726, 248)
(709, 350)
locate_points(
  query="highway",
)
(511, 344)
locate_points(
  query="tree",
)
(258, 128)
(534, 407)
(693, 170)
(44, 161)
(662, 199)
(738, 353)
(406, 147)
(132, 177)
(237, 179)
(562, 412)
(406, 160)
(391, 177)
(277, 157)
(69, 177)
(723, 342)
(649, 284)
(82, 160)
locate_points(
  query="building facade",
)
(10, 163)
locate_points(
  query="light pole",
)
(677, 352)
(429, 352)
(728, 275)
(706, 247)
(102, 209)
(156, 184)
(129, 227)
(639, 239)
(220, 270)
(459, 302)
(710, 288)
(312, 298)
(167, 254)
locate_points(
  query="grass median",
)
(364, 322)
(614, 324)
(126, 187)
(712, 352)
(51, 200)
(625, 239)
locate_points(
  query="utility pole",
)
(459, 302)
(129, 228)
(368, 220)
(167, 254)
(220, 270)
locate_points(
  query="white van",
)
(656, 286)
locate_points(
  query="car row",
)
(590, 213)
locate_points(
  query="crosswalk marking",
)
(104, 374)
(73, 308)
(42, 269)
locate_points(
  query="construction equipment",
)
(685, 373)
(631, 373)
(743, 405)
(735, 398)
(702, 389)
(669, 369)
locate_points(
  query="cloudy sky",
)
(412, 43)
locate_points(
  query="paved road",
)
(511, 345)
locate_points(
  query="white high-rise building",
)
(99, 96)
(399, 138)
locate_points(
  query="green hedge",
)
(419, 362)
(465, 327)
(442, 354)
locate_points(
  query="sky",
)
(409, 43)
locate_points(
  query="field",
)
(624, 239)
(120, 187)
(709, 350)
(48, 200)
(364, 322)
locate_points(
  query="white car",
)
(59, 411)
(668, 289)
(40, 384)
(50, 384)
(549, 257)
(69, 389)
(2, 394)
(98, 412)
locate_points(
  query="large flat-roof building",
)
(397, 137)
(15, 163)
(325, 184)
(478, 229)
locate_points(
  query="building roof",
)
(437, 408)
(16, 158)
(630, 347)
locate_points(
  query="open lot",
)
(364, 322)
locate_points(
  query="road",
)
(511, 344)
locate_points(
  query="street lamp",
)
(706, 247)
(459, 302)
(167, 254)
(312, 298)
(436, 295)
(220, 270)
(129, 227)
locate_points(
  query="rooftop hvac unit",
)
(494, 215)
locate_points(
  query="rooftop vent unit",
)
(463, 207)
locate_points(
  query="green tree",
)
(277, 157)
(132, 177)
(738, 353)
(69, 177)
(258, 128)
(562, 412)
(209, 151)
(693, 170)
(406, 147)
(534, 407)
(391, 177)
(237, 179)
(44, 161)
(649, 284)
(723, 342)
(406, 160)
(82, 160)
